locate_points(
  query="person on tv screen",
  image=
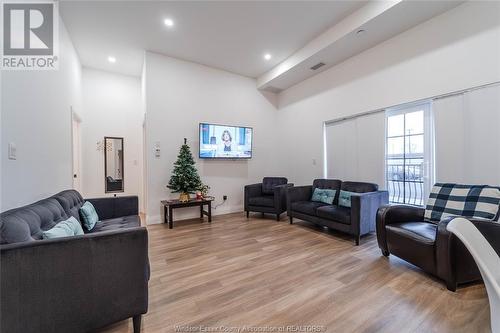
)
(226, 140)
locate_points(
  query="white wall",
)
(36, 117)
(113, 107)
(456, 50)
(179, 96)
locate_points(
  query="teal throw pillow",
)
(323, 195)
(69, 227)
(88, 215)
(345, 198)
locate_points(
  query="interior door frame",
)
(76, 150)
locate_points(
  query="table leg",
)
(210, 212)
(165, 214)
(201, 212)
(170, 218)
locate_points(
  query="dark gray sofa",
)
(72, 284)
(357, 220)
(267, 197)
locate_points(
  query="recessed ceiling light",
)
(111, 59)
(168, 22)
(267, 56)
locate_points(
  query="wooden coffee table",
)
(170, 205)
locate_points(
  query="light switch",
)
(12, 151)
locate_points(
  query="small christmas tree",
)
(185, 178)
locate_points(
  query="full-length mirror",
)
(113, 164)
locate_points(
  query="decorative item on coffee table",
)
(185, 178)
(204, 188)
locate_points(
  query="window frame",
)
(428, 146)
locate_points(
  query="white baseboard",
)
(183, 214)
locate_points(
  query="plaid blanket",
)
(475, 201)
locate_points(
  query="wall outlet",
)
(224, 197)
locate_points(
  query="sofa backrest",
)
(27, 223)
(268, 184)
(359, 187)
(71, 201)
(331, 184)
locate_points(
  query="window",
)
(409, 154)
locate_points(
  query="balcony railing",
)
(405, 182)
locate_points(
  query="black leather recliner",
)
(267, 197)
(402, 231)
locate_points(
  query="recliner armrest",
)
(450, 248)
(47, 285)
(250, 191)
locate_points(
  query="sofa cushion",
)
(415, 242)
(335, 213)
(359, 187)
(89, 215)
(262, 201)
(345, 198)
(323, 195)
(421, 231)
(117, 223)
(71, 201)
(268, 184)
(331, 184)
(69, 227)
(28, 223)
(307, 207)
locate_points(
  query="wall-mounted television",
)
(223, 141)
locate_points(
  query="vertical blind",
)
(467, 137)
(355, 149)
(467, 141)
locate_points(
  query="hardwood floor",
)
(262, 273)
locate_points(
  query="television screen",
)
(221, 141)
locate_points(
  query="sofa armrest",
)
(452, 256)
(112, 207)
(364, 207)
(280, 192)
(253, 190)
(389, 214)
(297, 193)
(47, 285)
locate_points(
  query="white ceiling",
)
(380, 20)
(228, 35)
